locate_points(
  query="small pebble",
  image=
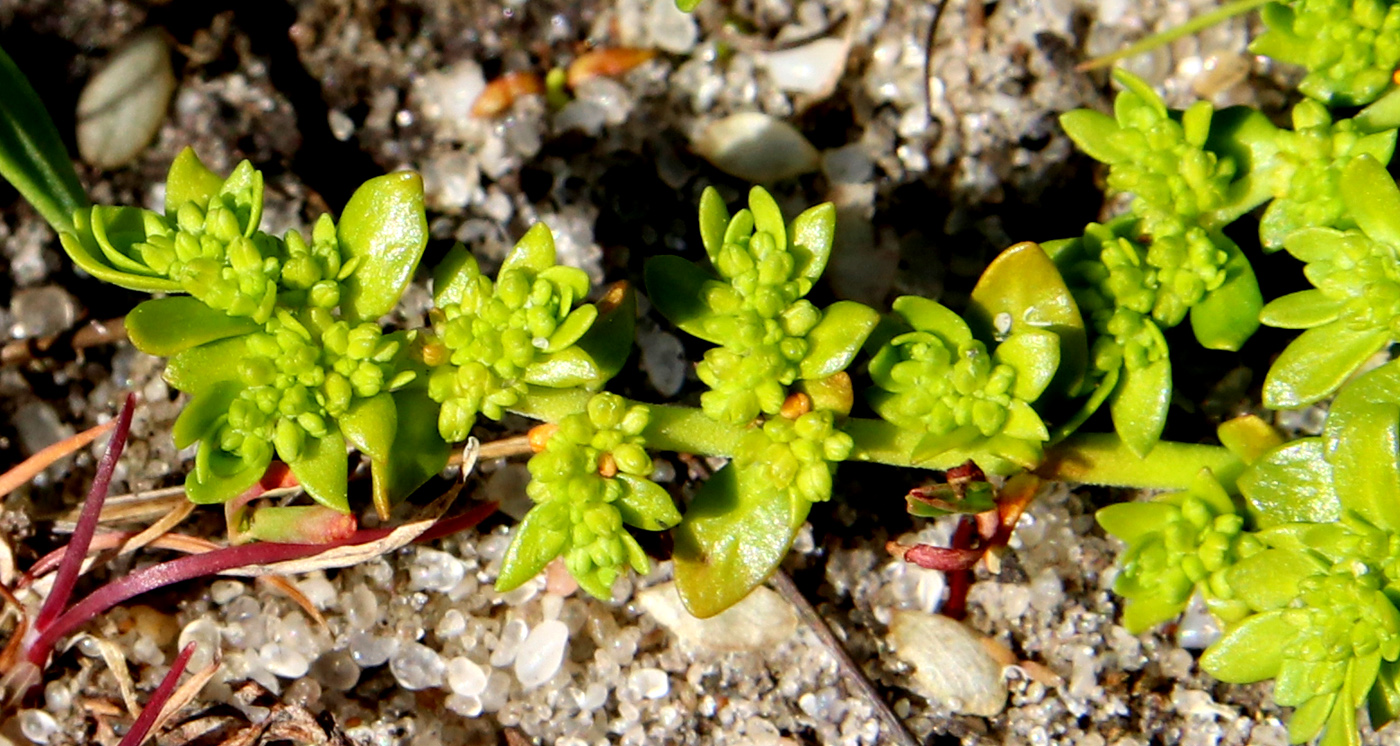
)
(37, 725)
(434, 570)
(223, 591)
(465, 677)
(336, 670)
(541, 653)
(649, 683)
(417, 666)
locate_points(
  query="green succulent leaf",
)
(452, 275)
(1227, 316)
(1381, 115)
(203, 413)
(189, 180)
(1139, 405)
(735, 534)
(32, 155)
(1131, 521)
(1309, 719)
(931, 316)
(1291, 484)
(646, 504)
(534, 251)
(1251, 650)
(218, 477)
(197, 368)
(836, 339)
(1023, 286)
(767, 217)
(120, 227)
(1093, 133)
(370, 425)
(323, 469)
(1269, 580)
(81, 246)
(1317, 362)
(714, 220)
(1036, 357)
(418, 452)
(812, 234)
(1304, 309)
(244, 188)
(675, 287)
(541, 536)
(169, 326)
(385, 228)
(1373, 199)
(1383, 700)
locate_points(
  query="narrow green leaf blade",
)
(646, 504)
(541, 536)
(1372, 199)
(1227, 316)
(675, 287)
(835, 340)
(32, 155)
(418, 452)
(323, 469)
(1251, 651)
(1139, 404)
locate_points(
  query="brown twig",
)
(893, 729)
(31, 467)
(92, 334)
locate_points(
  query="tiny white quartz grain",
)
(465, 677)
(417, 666)
(541, 653)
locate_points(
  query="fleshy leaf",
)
(1036, 356)
(1269, 580)
(117, 228)
(1318, 361)
(541, 536)
(574, 326)
(198, 368)
(1248, 437)
(767, 217)
(646, 504)
(735, 533)
(1227, 316)
(534, 251)
(930, 316)
(452, 275)
(385, 228)
(1304, 309)
(1131, 521)
(1383, 701)
(1291, 484)
(835, 340)
(203, 413)
(1309, 718)
(323, 469)
(418, 454)
(168, 326)
(189, 180)
(1372, 199)
(1023, 290)
(219, 477)
(1139, 405)
(82, 248)
(1093, 133)
(674, 287)
(1250, 651)
(714, 219)
(370, 425)
(812, 234)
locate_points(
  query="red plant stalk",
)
(87, 521)
(142, 727)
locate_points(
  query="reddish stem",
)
(960, 581)
(87, 521)
(147, 719)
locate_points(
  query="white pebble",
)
(57, 697)
(204, 633)
(223, 591)
(650, 683)
(319, 591)
(370, 650)
(283, 662)
(37, 725)
(757, 147)
(811, 68)
(465, 677)
(417, 666)
(541, 653)
(434, 570)
(515, 632)
(336, 670)
(593, 697)
(467, 707)
(121, 107)
(452, 624)
(951, 665)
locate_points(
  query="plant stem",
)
(1090, 459)
(1199, 23)
(1104, 459)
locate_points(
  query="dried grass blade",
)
(31, 467)
(116, 663)
(289, 589)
